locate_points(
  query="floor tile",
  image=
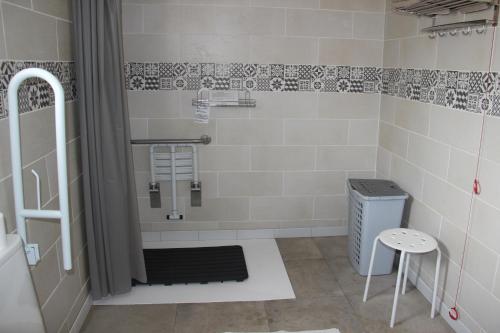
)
(312, 278)
(332, 247)
(298, 248)
(312, 314)
(221, 317)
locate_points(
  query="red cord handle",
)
(453, 313)
(476, 187)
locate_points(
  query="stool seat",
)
(408, 240)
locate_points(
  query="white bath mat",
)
(332, 330)
(267, 279)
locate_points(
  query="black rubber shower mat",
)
(195, 265)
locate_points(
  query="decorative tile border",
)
(36, 94)
(466, 91)
(256, 77)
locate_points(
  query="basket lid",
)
(377, 188)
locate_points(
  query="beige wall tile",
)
(314, 183)
(429, 154)
(158, 18)
(424, 218)
(490, 182)
(391, 53)
(393, 139)
(132, 18)
(388, 107)
(349, 106)
(7, 203)
(362, 5)
(318, 23)
(350, 52)
(46, 275)
(461, 171)
(3, 51)
(197, 19)
(457, 128)
(407, 176)
(157, 215)
(315, 132)
(451, 202)
(65, 40)
(151, 47)
(289, 105)
(29, 184)
(496, 288)
(346, 158)
(363, 132)
(36, 40)
(413, 115)
(383, 167)
(418, 52)
(44, 232)
(281, 49)
(397, 25)
(452, 240)
(138, 128)
(369, 25)
(282, 158)
(154, 104)
(214, 48)
(179, 128)
(245, 20)
(249, 132)
(250, 183)
(286, 3)
(479, 263)
(485, 226)
(330, 207)
(281, 208)
(224, 158)
(59, 8)
(219, 209)
(38, 133)
(492, 138)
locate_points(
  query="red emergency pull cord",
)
(476, 187)
(453, 313)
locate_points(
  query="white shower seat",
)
(408, 241)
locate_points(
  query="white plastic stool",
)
(408, 241)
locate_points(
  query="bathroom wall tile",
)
(496, 288)
(156, 104)
(149, 236)
(157, 215)
(485, 224)
(397, 26)
(282, 158)
(461, 171)
(7, 203)
(490, 181)
(178, 235)
(133, 18)
(383, 167)
(46, 275)
(480, 263)
(423, 218)
(217, 234)
(224, 158)
(138, 128)
(76, 197)
(23, 3)
(255, 234)
(58, 8)
(36, 40)
(158, 18)
(44, 232)
(30, 186)
(214, 48)
(418, 52)
(250, 183)
(363, 132)
(407, 176)
(249, 132)
(154, 47)
(319, 23)
(178, 128)
(391, 53)
(314, 183)
(492, 138)
(413, 116)
(286, 3)
(315, 132)
(451, 202)
(429, 154)
(350, 52)
(346, 158)
(330, 207)
(197, 19)
(282, 49)
(290, 105)
(3, 50)
(292, 232)
(464, 130)
(219, 209)
(64, 40)
(369, 25)
(281, 208)
(388, 107)
(214, 2)
(452, 240)
(77, 305)
(393, 139)
(362, 5)
(247, 20)
(349, 106)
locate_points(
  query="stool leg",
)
(370, 269)
(407, 259)
(436, 282)
(398, 282)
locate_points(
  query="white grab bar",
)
(17, 171)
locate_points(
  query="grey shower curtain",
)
(111, 214)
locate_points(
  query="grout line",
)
(37, 12)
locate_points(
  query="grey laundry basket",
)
(374, 205)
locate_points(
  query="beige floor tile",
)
(221, 317)
(312, 314)
(312, 278)
(332, 247)
(298, 248)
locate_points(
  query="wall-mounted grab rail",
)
(23, 213)
(204, 139)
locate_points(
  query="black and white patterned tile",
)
(36, 94)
